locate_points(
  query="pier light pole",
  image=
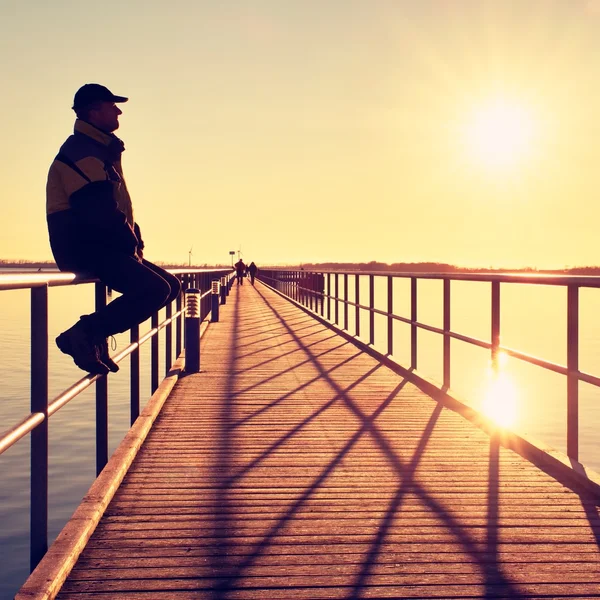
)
(232, 253)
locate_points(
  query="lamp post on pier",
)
(232, 253)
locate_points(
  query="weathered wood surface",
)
(295, 466)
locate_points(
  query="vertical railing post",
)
(357, 300)
(322, 291)
(154, 354)
(495, 323)
(413, 325)
(39, 436)
(329, 296)
(337, 295)
(390, 311)
(223, 289)
(168, 338)
(573, 372)
(345, 301)
(371, 307)
(446, 328)
(134, 375)
(306, 289)
(178, 336)
(198, 284)
(101, 398)
(304, 293)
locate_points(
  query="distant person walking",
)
(240, 271)
(252, 268)
(92, 230)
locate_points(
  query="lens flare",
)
(500, 398)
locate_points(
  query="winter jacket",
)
(87, 203)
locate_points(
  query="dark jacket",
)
(87, 203)
(240, 267)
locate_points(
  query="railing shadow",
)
(224, 459)
(486, 558)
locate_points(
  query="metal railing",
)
(317, 291)
(36, 423)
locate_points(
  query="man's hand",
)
(140, 254)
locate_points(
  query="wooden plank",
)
(295, 466)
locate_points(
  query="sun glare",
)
(500, 397)
(500, 134)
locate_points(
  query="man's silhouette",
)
(240, 270)
(252, 268)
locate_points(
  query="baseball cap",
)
(94, 92)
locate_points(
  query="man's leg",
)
(175, 287)
(173, 282)
(144, 291)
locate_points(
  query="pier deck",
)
(296, 466)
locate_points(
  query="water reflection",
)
(500, 397)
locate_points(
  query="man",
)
(240, 271)
(92, 230)
(252, 270)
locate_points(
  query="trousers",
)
(145, 288)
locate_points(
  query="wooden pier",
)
(296, 466)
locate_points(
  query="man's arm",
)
(95, 205)
(140, 244)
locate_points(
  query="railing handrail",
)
(592, 281)
(36, 423)
(534, 360)
(303, 287)
(15, 433)
(22, 280)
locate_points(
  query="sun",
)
(500, 133)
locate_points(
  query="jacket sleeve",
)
(96, 208)
(138, 235)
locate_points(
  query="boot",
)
(102, 344)
(78, 343)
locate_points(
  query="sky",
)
(456, 131)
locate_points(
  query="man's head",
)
(96, 104)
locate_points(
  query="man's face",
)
(106, 116)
